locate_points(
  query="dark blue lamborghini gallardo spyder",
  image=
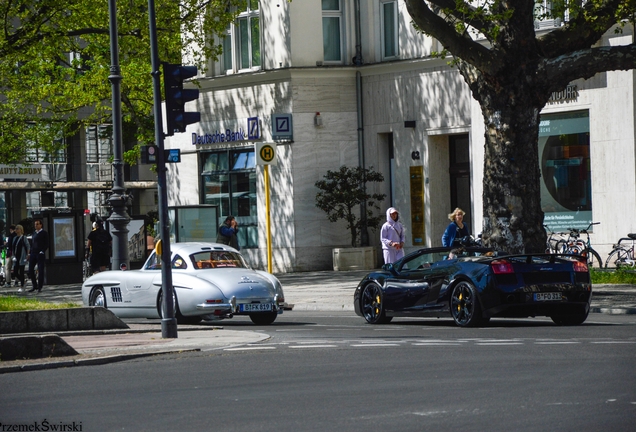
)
(472, 285)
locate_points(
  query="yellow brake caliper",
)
(377, 302)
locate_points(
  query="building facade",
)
(328, 83)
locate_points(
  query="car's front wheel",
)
(372, 303)
(465, 306)
(263, 318)
(98, 297)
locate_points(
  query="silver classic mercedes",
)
(211, 281)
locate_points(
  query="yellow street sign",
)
(265, 154)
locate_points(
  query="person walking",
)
(21, 249)
(37, 256)
(99, 244)
(9, 264)
(392, 237)
(456, 230)
(226, 234)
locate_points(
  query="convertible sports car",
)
(211, 281)
(474, 284)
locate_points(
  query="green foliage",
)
(619, 276)
(57, 93)
(341, 194)
(13, 303)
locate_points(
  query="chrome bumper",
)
(233, 308)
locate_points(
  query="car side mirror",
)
(388, 267)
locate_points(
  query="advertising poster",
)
(564, 154)
(64, 237)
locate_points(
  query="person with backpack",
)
(99, 244)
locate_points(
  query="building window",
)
(332, 30)
(229, 182)
(389, 17)
(38, 151)
(227, 64)
(99, 143)
(242, 40)
(566, 181)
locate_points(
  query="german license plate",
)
(255, 307)
(548, 296)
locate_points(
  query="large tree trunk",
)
(513, 219)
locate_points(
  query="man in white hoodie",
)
(392, 237)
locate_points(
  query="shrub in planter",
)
(342, 193)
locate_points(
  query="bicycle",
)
(621, 255)
(555, 244)
(576, 246)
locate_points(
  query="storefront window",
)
(229, 182)
(564, 151)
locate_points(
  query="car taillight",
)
(501, 267)
(210, 301)
(580, 266)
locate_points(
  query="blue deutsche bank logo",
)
(253, 129)
(282, 124)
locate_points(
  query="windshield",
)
(217, 259)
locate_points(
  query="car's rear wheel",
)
(372, 303)
(571, 319)
(177, 313)
(263, 318)
(464, 305)
(98, 297)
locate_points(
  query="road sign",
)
(282, 127)
(265, 154)
(172, 155)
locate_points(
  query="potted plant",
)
(342, 195)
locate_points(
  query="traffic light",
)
(177, 96)
(149, 154)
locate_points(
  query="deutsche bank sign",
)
(282, 127)
(247, 129)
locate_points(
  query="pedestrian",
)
(99, 244)
(227, 232)
(9, 263)
(21, 249)
(37, 256)
(392, 237)
(456, 230)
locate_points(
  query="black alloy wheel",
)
(571, 319)
(464, 305)
(373, 306)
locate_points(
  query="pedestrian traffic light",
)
(149, 154)
(176, 96)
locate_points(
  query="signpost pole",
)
(269, 229)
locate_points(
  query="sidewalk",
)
(308, 291)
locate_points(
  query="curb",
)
(88, 361)
(613, 310)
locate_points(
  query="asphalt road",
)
(331, 371)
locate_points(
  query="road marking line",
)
(499, 343)
(375, 345)
(614, 342)
(557, 343)
(250, 348)
(313, 346)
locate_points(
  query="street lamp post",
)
(118, 199)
